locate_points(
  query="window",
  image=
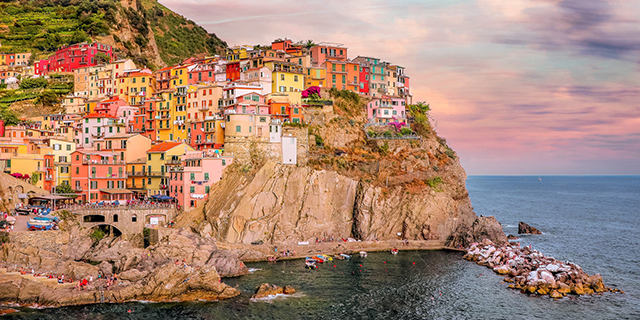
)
(343, 68)
(68, 147)
(134, 218)
(192, 189)
(224, 162)
(192, 176)
(282, 77)
(238, 129)
(206, 189)
(206, 176)
(333, 78)
(94, 184)
(149, 157)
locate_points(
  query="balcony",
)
(112, 176)
(205, 141)
(103, 162)
(203, 108)
(48, 178)
(163, 117)
(173, 162)
(136, 173)
(155, 174)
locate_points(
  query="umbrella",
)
(156, 196)
(165, 198)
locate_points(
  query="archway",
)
(94, 218)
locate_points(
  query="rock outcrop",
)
(351, 187)
(182, 267)
(524, 228)
(531, 272)
(265, 290)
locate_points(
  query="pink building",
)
(386, 109)
(191, 182)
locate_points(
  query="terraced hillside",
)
(143, 30)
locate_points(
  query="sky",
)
(516, 86)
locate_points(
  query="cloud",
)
(516, 87)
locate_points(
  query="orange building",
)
(99, 176)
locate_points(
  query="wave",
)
(252, 270)
(270, 299)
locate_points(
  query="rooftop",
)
(162, 147)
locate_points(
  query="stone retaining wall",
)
(51, 240)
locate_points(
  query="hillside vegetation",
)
(143, 30)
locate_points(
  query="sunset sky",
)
(516, 86)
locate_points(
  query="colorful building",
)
(99, 176)
(159, 158)
(75, 56)
(191, 182)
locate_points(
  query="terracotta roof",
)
(164, 146)
(99, 115)
(165, 69)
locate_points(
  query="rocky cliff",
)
(351, 186)
(181, 267)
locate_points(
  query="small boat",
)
(394, 251)
(317, 259)
(46, 218)
(272, 259)
(346, 256)
(325, 257)
(338, 257)
(310, 264)
(11, 220)
(39, 225)
(363, 254)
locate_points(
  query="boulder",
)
(555, 294)
(524, 228)
(512, 237)
(596, 283)
(265, 290)
(289, 290)
(563, 288)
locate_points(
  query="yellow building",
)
(287, 78)
(164, 112)
(61, 150)
(178, 120)
(136, 179)
(316, 77)
(136, 87)
(159, 158)
(31, 164)
(179, 76)
(238, 53)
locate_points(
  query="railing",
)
(80, 208)
(85, 161)
(203, 108)
(404, 137)
(155, 174)
(136, 173)
(173, 161)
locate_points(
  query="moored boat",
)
(363, 254)
(346, 256)
(394, 251)
(39, 225)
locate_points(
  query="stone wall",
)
(11, 187)
(125, 222)
(51, 240)
(245, 149)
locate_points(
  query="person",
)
(275, 249)
(90, 278)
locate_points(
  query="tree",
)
(101, 58)
(35, 177)
(47, 98)
(8, 116)
(33, 83)
(64, 189)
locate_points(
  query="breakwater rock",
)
(524, 228)
(532, 272)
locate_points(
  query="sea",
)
(593, 221)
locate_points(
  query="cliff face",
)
(366, 189)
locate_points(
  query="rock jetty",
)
(531, 272)
(524, 228)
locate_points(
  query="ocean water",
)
(592, 221)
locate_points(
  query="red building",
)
(364, 78)
(73, 57)
(233, 71)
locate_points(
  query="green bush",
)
(387, 133)
(384, 149)
(97, 235)
(33, 83)
(319, 141)
(406, 131)
(434, 182)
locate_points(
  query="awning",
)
(115, 191)
(51, 197)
